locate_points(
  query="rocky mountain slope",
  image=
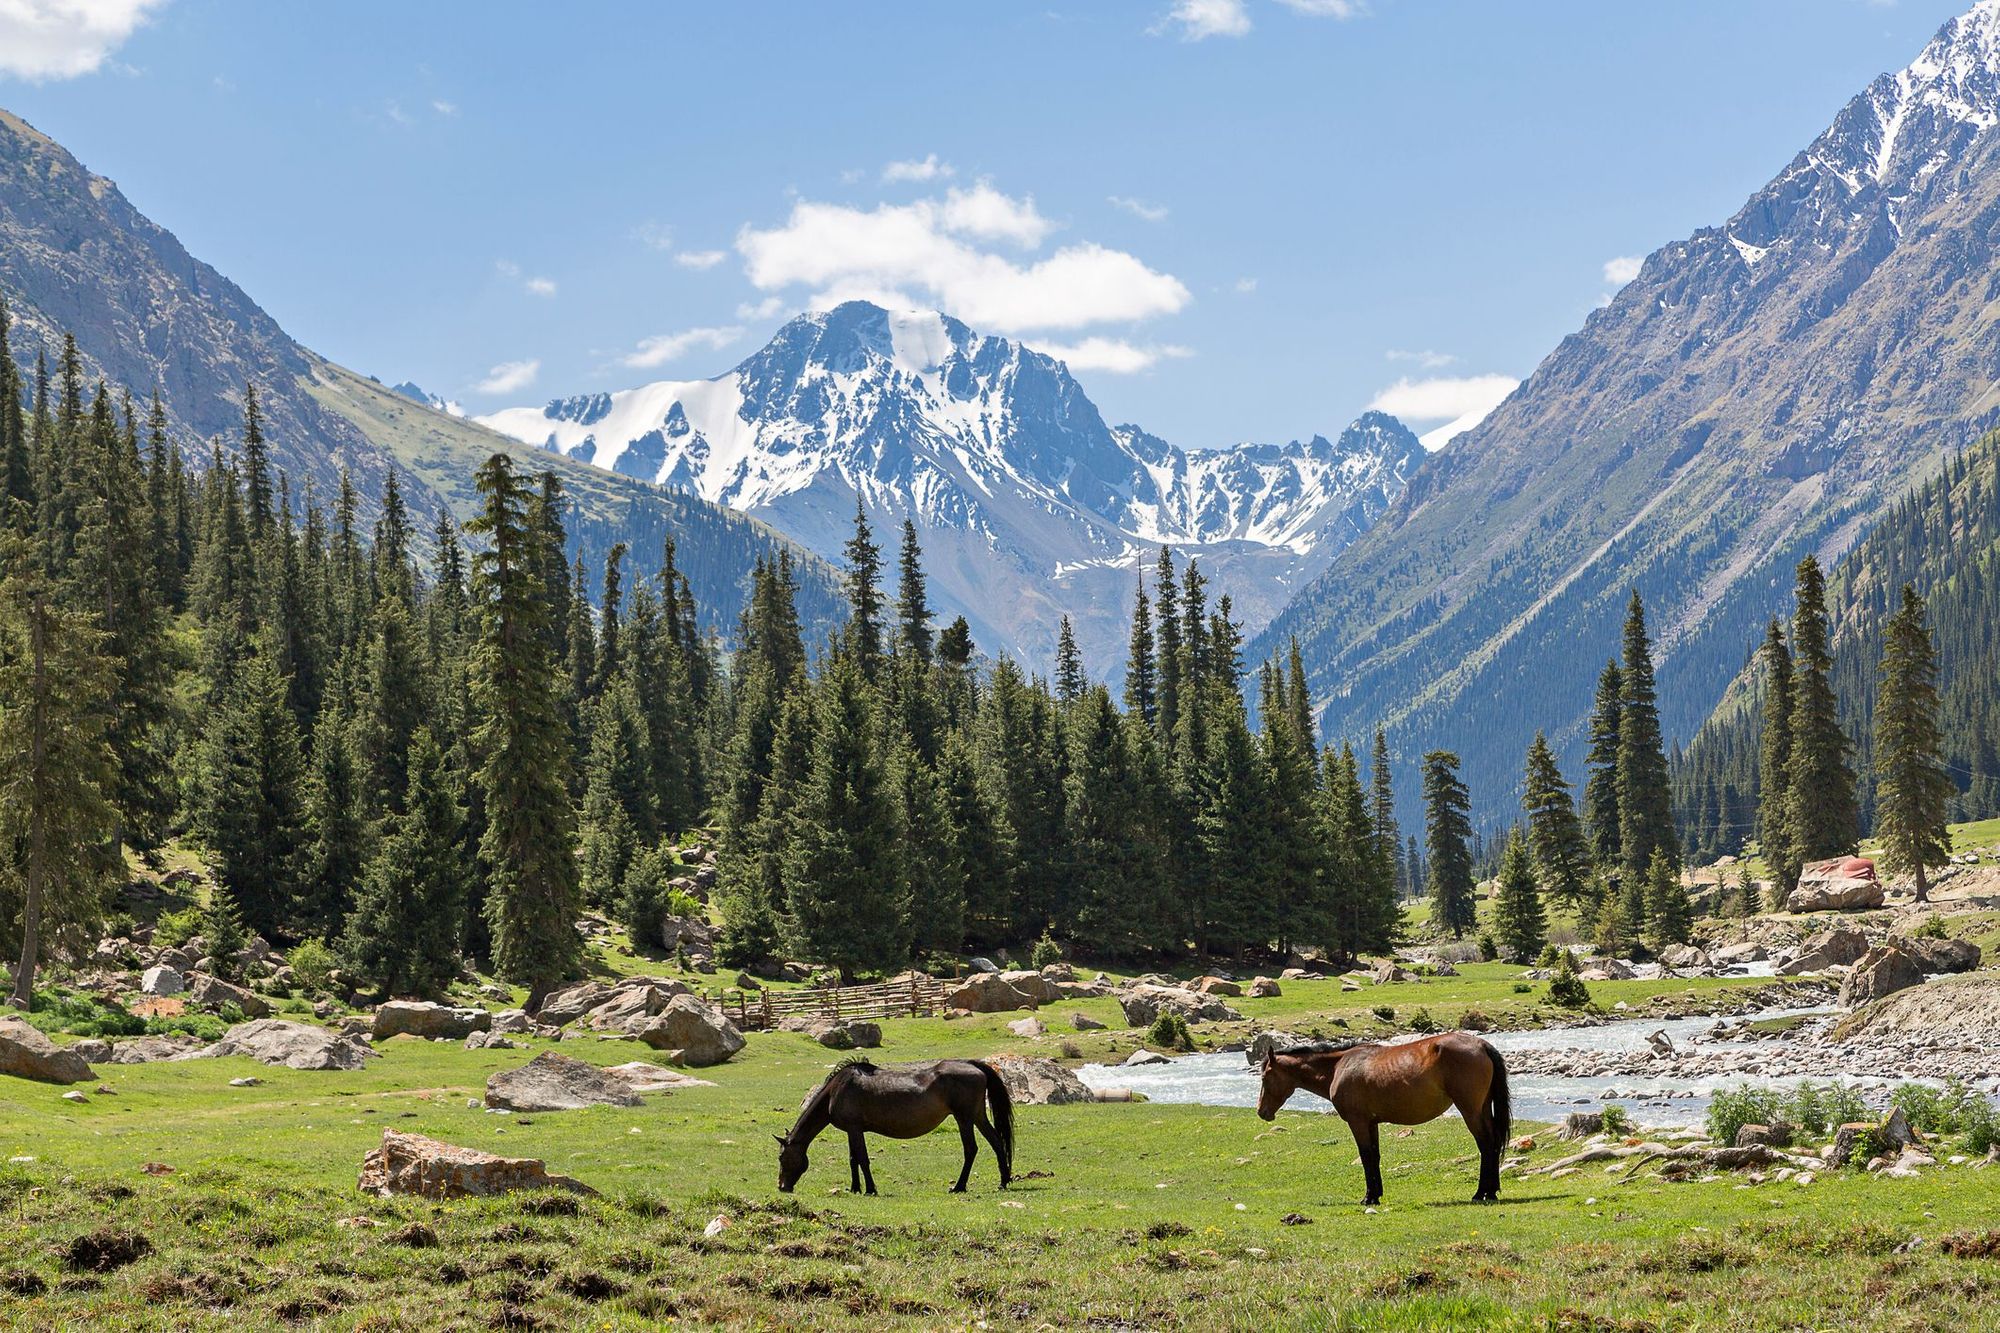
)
(77, 257)
(1760, 390)
(1028, 504)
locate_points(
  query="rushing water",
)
(1225, 1078)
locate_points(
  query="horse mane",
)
(1318, 1047)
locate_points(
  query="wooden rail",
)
(764, 1009)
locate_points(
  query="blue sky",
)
(1240, 219)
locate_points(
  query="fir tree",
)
(1669, 918)
(933, 867)
(1913, 789)
(913, 611)
(1600, 788)
(1774, 825)
(1167, 688)
(1821, 811)
(404, 931)
(1388, 839)
(1645, 805)
(251, 813)
(338, 850)
(1140, 688)
(1555, 836)
(1518, 920)
(864, 595)
(256, 469)
(1070, 680)
(1447, 831)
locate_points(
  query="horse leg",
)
(1487, 1135)
(971, 1147)
(1368, 1141)
(857, 1160)
(992, 1137)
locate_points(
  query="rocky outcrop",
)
(1836, 948)
(572, 1002)
(1961, 1011)
(692, 1033)
(26, 1053)
(427, 1168)
(1032, 1082)
(1836, 895)
(1940, 956)
(1144, 1004)
(553, 1081)
(1881, 972)
(1038, 988)
(432, 1022)
(632, 1003)
(987, 993)
(834, 1033)
(273, 1041)
(161, 979)
(148, 1050)
(215, 993)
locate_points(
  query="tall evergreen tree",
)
(1600, 787)
(1167, 678)
(1519, 923)
(913, 611)
(252, 800)
(1388, 839)
(1774, 803)
(1645, 804)
(1823, 815)
(1669, 917)
(338, 849)
(257, 492)
(1555, 836)
(1141, 695)
(1070, 680)
(404, 933)
(1913, 788)
(863, 581)
(1447, 836)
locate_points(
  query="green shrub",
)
(1732, 1108)
(1522, 988)
(1932, 929)
(82, 1015)
(1616, 1119)
(1566, 988)
(312, 966)
(1386, 1013)
(1171, 1030)
(1810, 1108)
(1488, 950)
(1548, 955)
(1421, 1021)
(176, 928)
(1046, 952)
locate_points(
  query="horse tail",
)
(1001, 1103)
(1499, 1098)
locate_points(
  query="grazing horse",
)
(903, 1103)
(1405, 1084)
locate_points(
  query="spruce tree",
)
(863, 580)
(527, 851)
(617, 795)
(933, 867)
(1519, 923)
(1447, 834)
(251, 811)
(1070, 680)
(1824, 817)
(1669, 918)
(1600, 788)
(256, 469)
(1555, 836)
(1645, 802)
(404, 931)
(1141, 697)
(1774, 767)
(338, 849)
(913, 611)
(1388, 839)
(1167, 687)
(1913, 789)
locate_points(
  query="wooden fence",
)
(764, 1009)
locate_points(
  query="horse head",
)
(1279, 1085)
(791, 1162)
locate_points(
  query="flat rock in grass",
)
(26, 1053)
(1085, 1023)
(421, 1018)
(834, 1033)
(1027, 1027)
(641, 1076)
(691, 1032)
(273, 1041)
(553, 1081)
(427, 1168)
(1032, 1082)
(148, 1050)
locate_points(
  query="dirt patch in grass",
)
(23, 1283)
(589, 1286)
(415, 1236)
(547, 1203)
(1971, 1244)
(106, 1250)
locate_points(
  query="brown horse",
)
(903, 1103)
(1407, 1084)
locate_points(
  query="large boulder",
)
(553, 1081)
(836, 1034)
(986, 993)
(1143, 1005)
(274, 1041)
(1883, 970)
(152, 1050)
(572, 1002)
(413, 1164)
(1732, 954)
(1934, 955)
(26, 1053)
(692, 1033)
(1032, 1082)
(1217, 986)
(1263, 988)
(422, 1018)
(215, 993)
(1683, 957)
(1835, 895)
(1608, 969)
(1836, 948)
(1264, 1043)
(160, 979)
(1039, 988)
(632, 1003)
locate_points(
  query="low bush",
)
(1813, 1109)
(1616, 1119)
(312, 966)
(1421, 1021)
(1386, 1013)
(176, 928)
(1171, 1030)
(1488, 950)
(1046, 952)
(1566, 988)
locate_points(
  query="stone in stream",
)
(413, 1164)
(26, 1053)
(1142, 1056)
(1882, 971)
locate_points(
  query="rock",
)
(1084, 990)
(489, 1041)
(1836, 895)
(1295, 974)
(1835, 948)
(986, 993)
(1882, 971)
(1034, 985)
(1032, 1082)
(1263, 988)
(1144, 1004)
(26, 1053)
(421, 1018)
(1766, 1136)
(1142, 1056)
(514, 1022)
(1934, 955)
(695, 1033)
(1581, 1125)
(1085, 1023)
(553, 1081)
(572, 1002)
(92, 1051)
(75, 1096)
(1683, 957)
(1746, 952)
(148, 1050)
(1216, 986)
(247, 1081)
(413, 1164)
(632, 1003)
(643, 1077)
(1027, 1027)
(1059, 972)
(161, 979)
(213, 993)
(835, 1034)
(1389, 970)
(273, 1041)
(1608, 969)
(982, 965)
(1265, 1042)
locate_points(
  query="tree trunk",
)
(1923, 883)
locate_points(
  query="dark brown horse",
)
(1407, 1084)
(903, 1103)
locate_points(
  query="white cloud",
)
(665, 347)
(764, 309)
(1327, 9)
(1138, 208)
(1114, 356)
(930, 248)
(508, 269)
(62, 39)
(1428, 359)
(1622, 270)
(927, 169)
(1199, 19)
(702, 259)
(1445, 397)
(509, 376)
(444, 108)
(541, 286)
(1245, 286)
(654, 235)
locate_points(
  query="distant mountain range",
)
(1028, 504)
(1762, 389)
(77, 257)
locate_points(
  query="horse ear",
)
(779, 1137)
(1270, 1058)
